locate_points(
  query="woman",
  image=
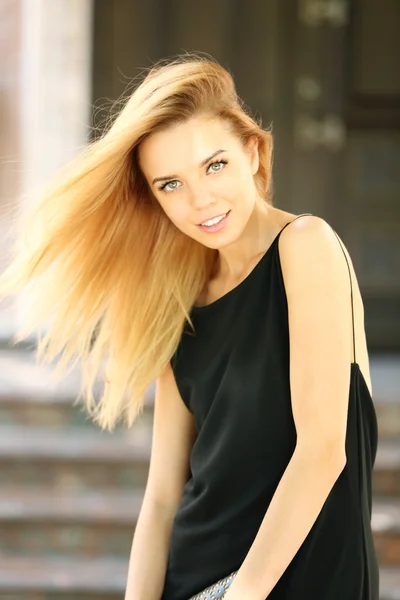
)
(160, 250)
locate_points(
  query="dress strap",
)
(351, 295)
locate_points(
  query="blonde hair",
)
(102, 268)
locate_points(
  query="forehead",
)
(184, 145)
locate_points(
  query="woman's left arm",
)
(317, 287)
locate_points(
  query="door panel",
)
(346, 142)
(371, 211)
(130, 35)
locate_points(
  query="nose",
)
(201, 200)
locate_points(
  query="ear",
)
(252, 150)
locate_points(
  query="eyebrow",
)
(203, 162)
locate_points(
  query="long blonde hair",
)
(102, 268)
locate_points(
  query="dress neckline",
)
(197, 309)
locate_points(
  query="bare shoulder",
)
(310, 245)
(308, 229)
(312, 261)
(312, 238)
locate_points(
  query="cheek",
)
(175, 209)
(232, 190)
(235, 182)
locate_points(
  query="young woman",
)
(160, 252)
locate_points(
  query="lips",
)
(214, 217)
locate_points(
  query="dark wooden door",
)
(346, 142)
(253, 39)
(243, 36)
(323, 73)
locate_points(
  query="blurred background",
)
(326, 74)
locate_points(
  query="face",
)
(199, 170)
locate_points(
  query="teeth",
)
(214, 221)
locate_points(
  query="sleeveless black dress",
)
(233, 375)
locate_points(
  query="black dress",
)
(233, 375)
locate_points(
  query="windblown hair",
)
(106, 277)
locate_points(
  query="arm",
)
(149, 552)
(173, 437)
(318, 292)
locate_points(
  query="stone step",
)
(386, 472)
(386, 527)
(74, 459)
(58, 412)
(61, 578)
(385, 378)
(59, 595)
(388, 416)
(57, 409)
(79, 458)
(35, 522)
(389, 585)
(74, 474)
(54, 444)
(30, 396)
(42, 521)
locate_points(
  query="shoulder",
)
(312, 237)
(309, 230)
(311, 254)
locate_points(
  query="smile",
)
(215, 224)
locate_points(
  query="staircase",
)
(385, 376)
(70, 494)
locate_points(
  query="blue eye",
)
(213, 164)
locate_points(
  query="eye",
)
(166, 187)
(218, 163)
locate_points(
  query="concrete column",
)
(56, 49)
(49, 47)
(10, 151)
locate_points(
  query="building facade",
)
(322, 72)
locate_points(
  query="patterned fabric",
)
(217, 590)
